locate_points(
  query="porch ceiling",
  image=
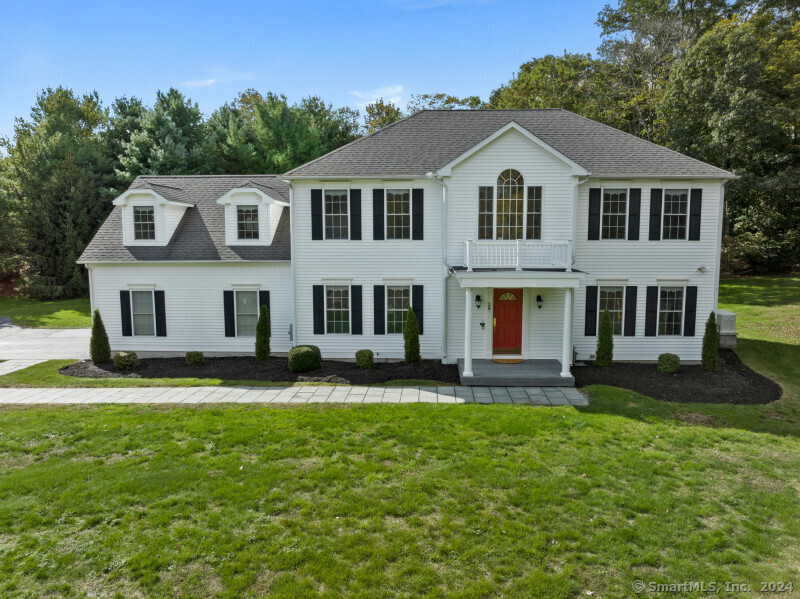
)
(518, 278)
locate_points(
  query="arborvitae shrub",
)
(411, 336)
(605, 341)
(263, 332)
(711, 344)
(99, 349)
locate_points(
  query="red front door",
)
(507, 321)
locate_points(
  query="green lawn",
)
(412, 501)
(55, 314)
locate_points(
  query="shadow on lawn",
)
(760, 291)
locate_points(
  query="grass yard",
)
(54, 314)
(413, 501)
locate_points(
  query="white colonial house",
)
(507, 231)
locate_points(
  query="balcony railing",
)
(518, 254)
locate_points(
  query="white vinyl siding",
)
(143, 313)
(246, 313)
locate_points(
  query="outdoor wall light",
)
(478, 302)
(539, 302)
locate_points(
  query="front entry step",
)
(528, 373)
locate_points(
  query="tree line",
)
(717, 80)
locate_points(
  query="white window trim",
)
(386, 213)
(346, 189)
(133, 220)
(683, 310)
(386, 303)
(627, 210)
(622, 319)
(663, 214)
(152, 290)
(349, 307)
(494, 211)
(246, 288)
(237, 207)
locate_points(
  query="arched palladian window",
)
(510, 216)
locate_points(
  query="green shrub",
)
(711, 344)
(364, 359)
(99, 349)
(411, 337)
(194, 358)
(262, 335)
(668, 363)
(125, 360)
(304, 358)
(605, 341)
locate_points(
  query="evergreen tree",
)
(605, 341)
(411, 337)
(263, 332)
(99, 348)
(711, 344)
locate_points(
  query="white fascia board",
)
(627, 177)
(374, 177)
(122, 199)
(577, 169)
(148, 262)
(265, 199)
(513, 279)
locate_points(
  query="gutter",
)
(578, 183)
(433, 177)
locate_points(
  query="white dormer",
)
(251, 216)
(148, 218)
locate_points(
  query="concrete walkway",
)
(540, 396)
(14, 365)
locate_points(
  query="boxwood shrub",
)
(304, 358)
(194, 358)
(364, 359)
(668, 363)
(126, 360)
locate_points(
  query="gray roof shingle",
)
(431, 139)
(201, 233)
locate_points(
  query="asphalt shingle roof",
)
(201, 233)
(431, 139)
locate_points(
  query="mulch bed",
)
(732, 382)
(275, 369)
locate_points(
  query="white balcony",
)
(519, 254)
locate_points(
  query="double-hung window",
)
(509, 210)
(143, 313)
(398, 214)
(337, 309)
(670, 310)
(398, 301)
(246, 313)
(676, 210)
(247, 222)
(614, 213)
(336, 215)
(144, 222)
(613, 300)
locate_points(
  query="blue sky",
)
(347, 52)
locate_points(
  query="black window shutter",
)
(417, 214)
(319, 309)
(634, 212)
(651, 312)
(630, 311)
(690, 315)
(590, 325)
(230, 315)
(356, 310)
(125, 308)
(161, 313)
(377, 214)
(355, 214)
(263, 300)
(695, 208)
(417, 305)
(379, 294)
(655, 215)
(316, 214)
(594, 214)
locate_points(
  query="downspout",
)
(91, 288)
(293, 324)
(578, 183)
(720, 219)
(435, 179)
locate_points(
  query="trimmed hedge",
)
(304, 358)
(365, 359)
(411, 337)
(263, 332)
(669, 363)
(125, 360)
(194, 358)
(711, 344)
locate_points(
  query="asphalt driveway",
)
(18, 343)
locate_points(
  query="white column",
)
(566, 349)
(468, 334)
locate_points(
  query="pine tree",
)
(411, 337)
(99, 349)
(262, 335)
(605, 341)
(711, 344)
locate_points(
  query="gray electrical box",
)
(727, 328)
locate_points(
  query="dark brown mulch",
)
(275, 369)
(732, 382)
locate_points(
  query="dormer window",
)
(247, 222)
(144, 222)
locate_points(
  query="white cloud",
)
(200, 83)
(389, 93)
